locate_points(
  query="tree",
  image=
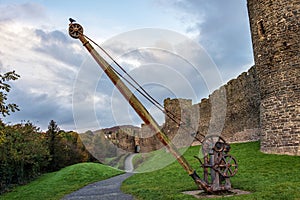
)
(23, 155)
(52, 140)
(53, 132)
(65, 148)
(6, 108)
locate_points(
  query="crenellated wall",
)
(242, 121)
(232, 111)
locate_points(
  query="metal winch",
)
(218, 165)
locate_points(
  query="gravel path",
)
(107, 189)
(128, 163)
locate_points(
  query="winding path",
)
(107, 189)
(128, 163)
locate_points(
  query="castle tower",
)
(275, 27)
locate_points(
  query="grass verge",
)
(55, 185)
(147, 162)
(266, 176)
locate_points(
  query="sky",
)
(173, 48)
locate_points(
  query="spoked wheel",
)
(227, 166)
(75, 30)
(212, 142)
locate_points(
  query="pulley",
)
(75, 30)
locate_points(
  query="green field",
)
(266, 176)
(55, 185)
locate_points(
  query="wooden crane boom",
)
(76, 32)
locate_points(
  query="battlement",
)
(241, 113)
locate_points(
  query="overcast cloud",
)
(222, 28)
(57, 75)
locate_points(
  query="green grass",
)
(266, 176)
(57, 184)
(117, 162)
(147, 162)
(275, 177)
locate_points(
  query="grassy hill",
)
(266, 176)
(57, 184)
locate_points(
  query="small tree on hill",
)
(53, 132)
(52, 139)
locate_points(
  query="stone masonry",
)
(275, 28)
(236, 119)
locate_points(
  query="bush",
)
(23, 155)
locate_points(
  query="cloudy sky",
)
(173, 48)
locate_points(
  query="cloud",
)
(39, 109)
(162, 73)
(171, 69)
(57, 75)
(26, 12)
(222, 28)
(47, 61)
(59, 46)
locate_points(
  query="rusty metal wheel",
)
(213, 142)
(227, 166)
(75, 30)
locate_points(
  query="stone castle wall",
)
(122, 136)
(235, 113)
(231, 111)
(242, 114)
(275, 27)
(235, 116)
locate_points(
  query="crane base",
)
(201, 194)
